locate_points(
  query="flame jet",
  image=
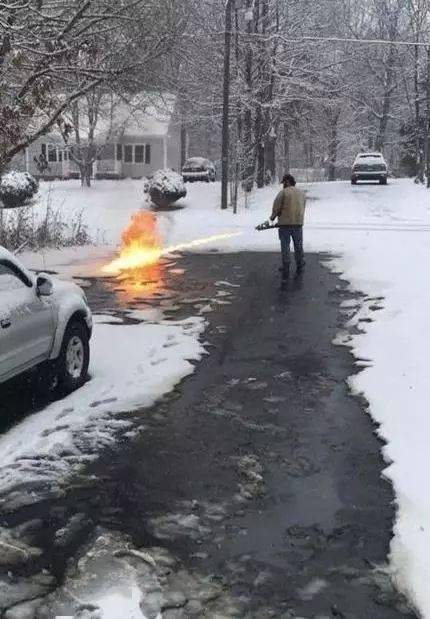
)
(141, 245)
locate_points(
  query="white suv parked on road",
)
(42, 320)
(369, 167)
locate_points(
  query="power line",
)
(366, 41)
(308, 39)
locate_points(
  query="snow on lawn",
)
(379, 238)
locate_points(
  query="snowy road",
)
(381, 239)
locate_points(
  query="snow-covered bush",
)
(166, 187)
(17, 189)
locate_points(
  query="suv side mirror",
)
(44, 286)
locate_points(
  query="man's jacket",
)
(289, 207)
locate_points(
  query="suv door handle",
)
(5, 323)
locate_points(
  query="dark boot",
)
(285, 272)
(300, 267)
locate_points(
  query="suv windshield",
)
(196, 163)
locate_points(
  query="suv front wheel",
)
(74, 359)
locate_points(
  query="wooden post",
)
(226, 106)
(427, 136)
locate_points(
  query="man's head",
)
(288, 181)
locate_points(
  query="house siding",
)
(173, 143)
(139, 170)
(26, 161)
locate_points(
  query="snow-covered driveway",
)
(379, 238)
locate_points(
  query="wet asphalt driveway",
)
(259, 474)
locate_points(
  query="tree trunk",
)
(272, 119)
(183, 144)
(287, 162)
(88, 173)
(261, 94)
(271, 157)
(386, 105)
(260, 147)
(383, 123)
(419, 169)
(1, 227)
(226, 107)
(332, 149)
(85, 171)
(427, 136)
(249, 168)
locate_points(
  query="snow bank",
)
(131, 367)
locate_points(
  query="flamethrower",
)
(266, 225)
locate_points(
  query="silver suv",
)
(42, 320)
(198, 169)
(369, 167)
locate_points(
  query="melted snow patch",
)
(114, 580)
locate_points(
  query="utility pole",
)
(427, 140)
(226, 106)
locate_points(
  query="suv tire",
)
(74, 359)
(353, 181)
(382, 181)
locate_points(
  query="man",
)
(289, 208)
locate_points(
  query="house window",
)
(52, 153)
(138, 153)
(119, 152)
(128, 153)
(43, 150)
(148, 153)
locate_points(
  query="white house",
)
(132, 139)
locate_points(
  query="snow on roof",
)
(373, 155)
(370, 158)
(144, 114)
(198, 162)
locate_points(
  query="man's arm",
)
(277, 206)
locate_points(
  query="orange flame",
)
(138, 263)
(141, 245)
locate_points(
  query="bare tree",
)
(45, 52)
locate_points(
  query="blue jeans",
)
(286, 233)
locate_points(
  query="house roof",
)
(145, 114)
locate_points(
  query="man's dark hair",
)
(289, 180)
